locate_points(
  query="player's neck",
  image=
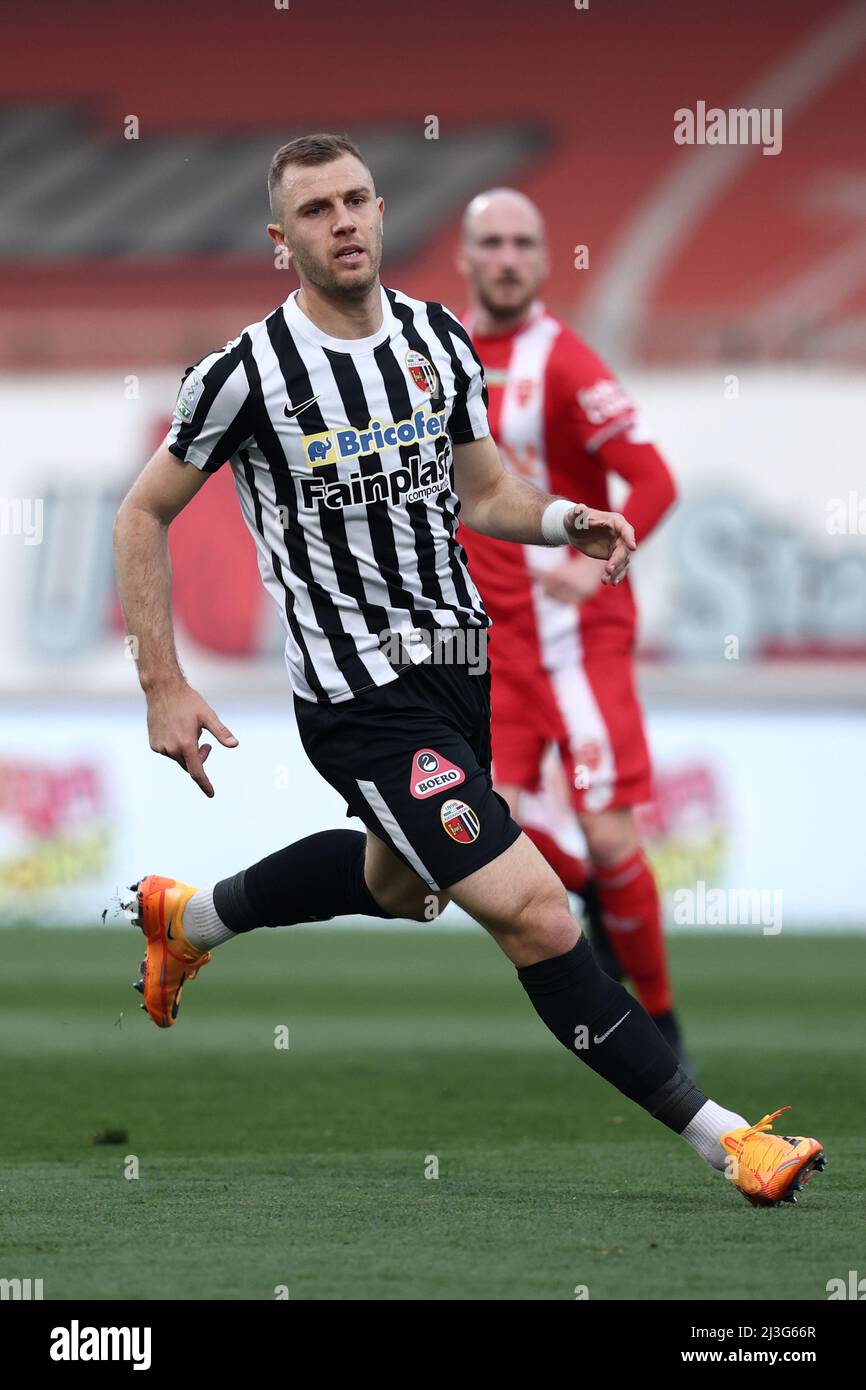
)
(487, 325)
(342, 318)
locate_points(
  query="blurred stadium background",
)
(728, 288)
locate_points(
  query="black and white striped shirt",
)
(341, 451)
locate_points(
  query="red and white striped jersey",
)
(561, 420)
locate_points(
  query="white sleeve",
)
(211, 419)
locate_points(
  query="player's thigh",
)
(523, 724)
(604, 750)
(396, 887)
(412, 760)
(520, 901)
(512, 795)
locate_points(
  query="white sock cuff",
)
(705, 1129)
(202, 924)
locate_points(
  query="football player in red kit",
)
(562, 644)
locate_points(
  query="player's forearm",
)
(652, 491)
(143, 569)
(511, 510)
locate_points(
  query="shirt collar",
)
(298, 321)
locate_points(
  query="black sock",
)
(669, 1028)
(599, 937)
(605, 1026)
(316, 878)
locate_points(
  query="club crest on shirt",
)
(422, 372)
(460, 822)
(523, 390)
(432, 773)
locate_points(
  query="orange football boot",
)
(771, 1168)
(170, 960)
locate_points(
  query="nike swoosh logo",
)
(613, 1029)
(296, 409)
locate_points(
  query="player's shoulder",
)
(227, 371)
(572, 354)
(438, 315)
(576, 375)
(576, 372)
(237, 348)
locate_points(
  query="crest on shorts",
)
(431, 773)
(422, 372)
(460, 822)
(589, 754)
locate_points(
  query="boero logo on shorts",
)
(460, 822)
(432, 773)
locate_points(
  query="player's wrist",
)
(553, 521)
(156, 683)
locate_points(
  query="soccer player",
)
(562, 643)
(353, 418)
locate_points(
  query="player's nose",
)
(345, 220)
(508, 261)
(508, 271)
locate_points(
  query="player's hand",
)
(603, 536)
(176, 716)
(575, 579)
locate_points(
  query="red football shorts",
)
(590, 711)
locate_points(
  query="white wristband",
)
(553, 521)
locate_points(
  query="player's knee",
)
(425, 909)
(543, 921)
(434, 905)
(610, 836)
(415, 903)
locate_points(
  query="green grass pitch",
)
(304, 1167)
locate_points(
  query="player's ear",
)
(283, 252)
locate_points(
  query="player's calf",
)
(596, 1019)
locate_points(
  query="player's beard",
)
(502, 312)
(324, 275)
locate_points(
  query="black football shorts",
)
(412, 761)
